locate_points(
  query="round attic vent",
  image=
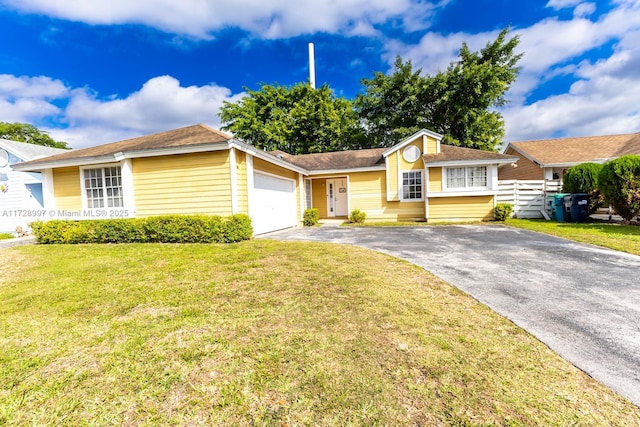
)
(411, 153)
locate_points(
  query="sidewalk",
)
(18, 241)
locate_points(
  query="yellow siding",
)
(66, 188)
(319, 196)
(461, 208)
(262, 166)
(367, 193)
(241, 180)
(183, 184)
(435, 180)
(432, 146)
(392, 174)
(418, 164)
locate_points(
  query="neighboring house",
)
(20, 191)
(550, 158)
(200, 170)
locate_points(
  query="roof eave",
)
(472, 162)
(347, 170)
(263, 155)
(122, 155)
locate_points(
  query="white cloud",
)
(562, 4)
(23, 99)
(584, 9)
(161, 104)
(269, 19)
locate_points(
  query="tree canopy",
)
(296, 119)
(457, 102)
(23, 132)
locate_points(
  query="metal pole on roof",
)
(312, 66)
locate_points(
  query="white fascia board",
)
(471, 162)
(263, 155)
(64, 163)
(408, 139)
(343, 171)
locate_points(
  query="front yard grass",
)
(265, 333)
(624, 238)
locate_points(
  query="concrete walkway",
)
(18, 241)
(580, 300)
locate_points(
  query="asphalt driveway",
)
(581, 300)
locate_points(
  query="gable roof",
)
(26, 151)
(411, 138)
(337, 160)
(450, 155)
(572, 151)
(196, 135)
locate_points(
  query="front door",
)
(337, 197)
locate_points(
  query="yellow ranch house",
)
(199, 170)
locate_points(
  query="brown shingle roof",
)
(187, 136)
(579, 150)
(449, 153)
(340, 160)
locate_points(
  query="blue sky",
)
(94, 71)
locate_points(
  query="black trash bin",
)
(567, 207)
(579, 207)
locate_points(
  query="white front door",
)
(337, 197)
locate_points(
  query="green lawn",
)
(264, 333)
(624, 238)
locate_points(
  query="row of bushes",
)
(157, 229)
(616, 182)
(312, 216)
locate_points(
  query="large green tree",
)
(23, 132)
(297, 119)
(458, 103)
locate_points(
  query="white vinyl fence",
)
(528, 198)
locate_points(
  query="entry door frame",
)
(337, 201)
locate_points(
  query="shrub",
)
(311, 217)
(583, 178)
(619, 182)
(502, 211)
(357, 216)
(4, 236)
(162, 229)
(237, 228)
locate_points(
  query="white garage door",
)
(273, 203)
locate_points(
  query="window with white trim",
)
(307, 193)
(471, 177)
(412, 185)
(103, 187)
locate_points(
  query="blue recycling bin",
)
(579, 207)
(557, 209)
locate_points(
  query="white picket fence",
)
(528, 198)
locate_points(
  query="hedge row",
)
(160, 229)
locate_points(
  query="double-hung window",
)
(471, 177)
(103, 187)
(412, 185)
